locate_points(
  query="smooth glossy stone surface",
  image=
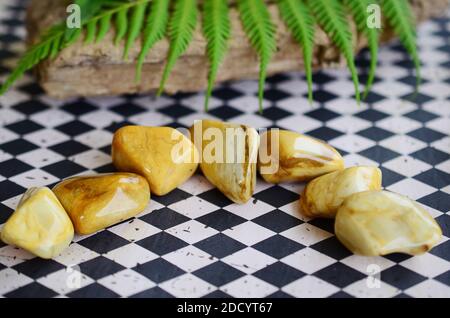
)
(323, 195)
(98, 201)
(39, 225)
(298, 157)
(379, 222)
(229, 163)
(163, 155)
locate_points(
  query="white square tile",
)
(91, 159)
(40, 157)
(427, 265)
(75, 254)
(10, 280)
(126, 283)
(52, 117)
(348, 124)
(429, 289)
(310, 287)
(248, 287)
(100, 118)
(7, 135)
(249, 260)
(134, 230)
(11, 255)
(407, 166)
(292, 123)
(46, 137)
(196, 185)
(403, 144)
(412, 188)
(352, 160)
(366, 264)
(306, 234)
(187, 286)
(250, 210)
(95, 138)
(65, 281)
(193, 207)
(192, 231)
(308, 260)
(190, 258)
(34, 178)
(365, 288)
(130, 255)
(399, 125)
(249, 233)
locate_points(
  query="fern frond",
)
(400, 17)
(217, 30)
(104, 26)
(136, 23)
(121, 24)
(181, 31)
(91, 30)
(154, 31)
(49, 46)
(261, 32)
(331, 15)
(300, 21)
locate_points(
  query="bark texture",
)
(98, 69)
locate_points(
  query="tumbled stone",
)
(39, 224)
(97, 201)
(163, 155)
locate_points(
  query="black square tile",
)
(221, 220)
(341, 294)
(108, 168)
(322, 96)
(176, 110)
(426, 134)
(401, 277)
(38, 267)
(154, 292)
(17, 147)
(217, 294)
(325, 133)
(33, 290)
(442, 250)
(372, 115)
(128, 109)
(375, 134)
(164, 218)
(277, 196)
(218, 273)
(215, 197)
(435, 178)
(339, 275)
(390, 177)
(279, 294)
(444, 223)
(277, 221)
(79, 108)
(32, 89)
(74, 128)
(172, 197)
(373, 98)
(93, 290)
(219, 245)
(12, 167)
(30, 107)
(9, 189)
(421, 115)
(158, 270)
(411, 80)
(117, 125)
(397, 257)
(24, 127)
(431, 155)
(279, 274)
(100, 267)
(64, 169)
(332, 247)
(322, 114)
(5, 213)
(278, 246)
(278, 78)
(438, 200)
(417, 98)
(225, 112)
(226, 93)
(323, 224)
(321, 78)
(69, 148)
(275, 95)
(161, 243)
(444, 278)
(379, 154)
(274, 113)
(103, 242)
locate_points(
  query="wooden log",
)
(99, 69)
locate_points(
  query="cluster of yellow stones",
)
(158, 159)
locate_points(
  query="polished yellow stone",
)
(323, 195)
(289, 156)
(376, 223)
(39, 225)
(163, 155)
(97, 201)
(228, 156)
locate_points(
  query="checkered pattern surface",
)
(194, 242)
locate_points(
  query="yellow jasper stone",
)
(39, 224)
(98, 201)
(229, 157)
(323, 195)
(376, 223)
(289, 156)
(163, 155)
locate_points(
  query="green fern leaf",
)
(49, 46)
(136, 23)
(331, 15)
(261, 32)
(181, 30)
(400, 17)
(91, 30)
(300, 21)
(104, 26)
(217, 30)
(154, 31)
(361, 16)
(121, 24)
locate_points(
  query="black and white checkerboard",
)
(194, 242)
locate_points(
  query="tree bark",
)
(99, 69)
